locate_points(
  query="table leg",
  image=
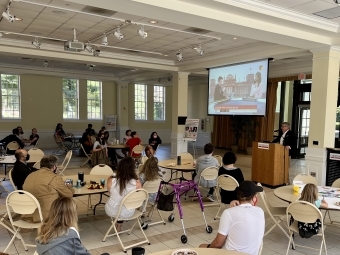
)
(99, 203)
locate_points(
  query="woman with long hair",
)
(59, 232)
(257, 87)
(119, 186)
(150, 172)
(99, 151)
(154, 140)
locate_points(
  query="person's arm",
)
(96, 145)
(240, 176)
(138, 185)
(159, 140)
(323, 204)
(127, 144)
(109, 183)
(63, 190)
(218, 242)
(140, 142)
(234, 203)
(150, 141)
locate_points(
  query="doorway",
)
(303, 129)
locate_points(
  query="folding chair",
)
(60, 145)
(37, 165)
(306, 179)
(3, 213)
(87, 155)
(138, 149)
(225, 182)
(144, 159)
(219, 159)
(209, 174)
(186, 155)
(152, 187)
(335, 184)
(22, 202)
(35, 154)
(304, 212)
(36, 143)
(276, 213)
(133, 200)
(12, 146)
(11, 179)
(65, 163)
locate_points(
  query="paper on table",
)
(171, 164)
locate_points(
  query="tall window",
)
(159, 103)
(10, 95)
(70, 99)
(140, 102)
(94, 99)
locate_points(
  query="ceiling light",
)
(199, 50)
(91, 67)
(0, 34)
(45, 63)
(36, 43)
(179, 56)
(96, 52)
(104, 41)
(88, 47)
(235, 38)
(118, 34)
(7, 16)
(153, 21)
(142, 33)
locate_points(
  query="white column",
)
(323, 111)
(179, 109)
(122, 109)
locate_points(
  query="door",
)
(303, 130)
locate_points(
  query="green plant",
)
(249, 129)
(237, 126)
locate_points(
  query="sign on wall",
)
(111, 122)
(191, 129)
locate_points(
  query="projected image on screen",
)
(238, 89)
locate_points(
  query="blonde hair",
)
(309, 193)
(62, 216)
(150, 169)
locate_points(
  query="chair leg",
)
(108, 232)
(290, 240)
(140, 226)
(120, 241)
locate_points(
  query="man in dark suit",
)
(13, 137)
(21, 170)
(286, 137)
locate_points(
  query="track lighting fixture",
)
(91, 67)
(118, 34)
(104, 41)
(142, 33)
(179, 56)
(199, 50)
(36, 43)
(45, 63)
(159, 80)
(96, 52)
(9, 17)
(88, 47)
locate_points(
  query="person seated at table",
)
(60, 133)
(150, 172)
(21, 133)
(21, 169)
(310, 194)
(202, 163)
(91, 130)
(32, 141)
(46, 185)
(149, 152)
(59, 234)
(228, 167)
(125, 151)
(99, 151)
(103, 128)
(119, 186)
(132, 142)
(86, 141)
(14, 137)
(241, 228)
(154, 140)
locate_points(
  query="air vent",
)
(133, 51)
(197, 30)
(98, 11)
(27, 59)
(330, 13)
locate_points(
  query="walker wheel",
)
(209, 229)
(145, 225)
(171, 218)
(184, 239)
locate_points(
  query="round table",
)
(83, 191)
(116, 146)
(202, 251)
(286, 193)
(10, 160)
(186, 166)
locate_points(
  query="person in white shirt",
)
(241, 227)
(125, 151)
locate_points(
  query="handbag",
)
(165, 202)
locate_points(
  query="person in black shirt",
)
(34, 137)
(228, 168)
(14, 137)
(21, 169)
(154, 140)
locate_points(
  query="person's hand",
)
(69, 185)
(234, 203)
(288, 147)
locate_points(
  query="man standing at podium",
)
(286, 137)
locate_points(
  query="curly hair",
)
(150, 169)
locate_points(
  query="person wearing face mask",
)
(46, 185)
(100, 152)
(154, 140)
(21, 169)
(241, 227)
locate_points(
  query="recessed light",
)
(18, 19)
(59, 12)
(7, 33)
(153, 21)
(166, 55)
(235, 38)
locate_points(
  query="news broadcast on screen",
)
(239, 89)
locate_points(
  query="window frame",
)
(77, 118)
(101, 100)
(164, 102)
(145, 101)
(19, 97)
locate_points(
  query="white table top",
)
(202, 251)
(11, 160)
(116, 146)
(186, 166)
(87, 178)
(331, 195)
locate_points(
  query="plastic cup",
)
(81, 176)
(296, 189)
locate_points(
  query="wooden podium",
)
(270, 164)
